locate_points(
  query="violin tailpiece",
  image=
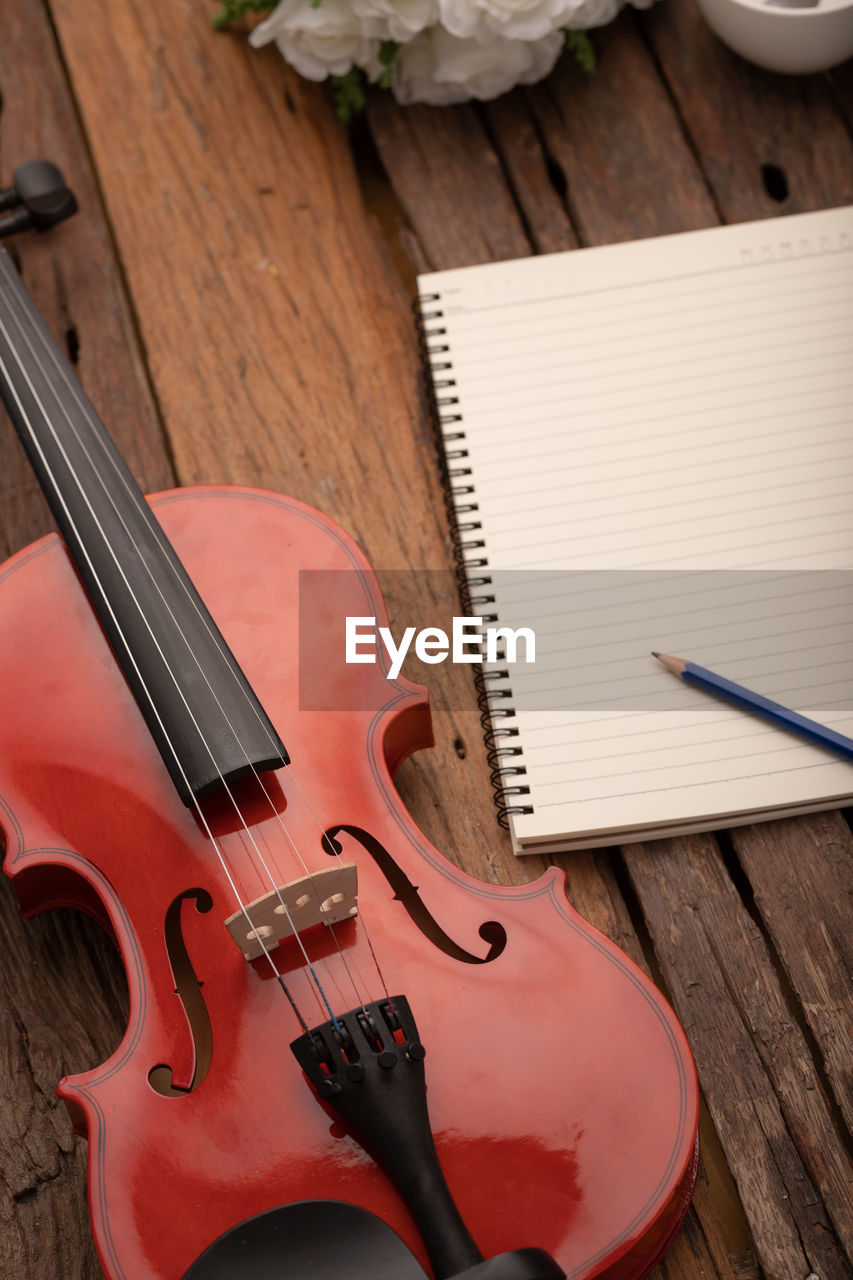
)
(368, 1065)
(326, 897)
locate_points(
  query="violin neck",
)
(199, 707)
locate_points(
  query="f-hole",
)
(188, 990)
(404, 891)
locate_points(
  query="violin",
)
(344, 1057)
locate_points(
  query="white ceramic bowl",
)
(796, 41)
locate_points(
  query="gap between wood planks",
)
(740, 879)
(102, 215)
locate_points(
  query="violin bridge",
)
(326, 897)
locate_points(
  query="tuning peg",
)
(38, 198)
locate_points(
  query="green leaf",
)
(233, 10)
(387, 54)
(350, 93)
(579, 43)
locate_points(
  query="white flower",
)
(440, 68)
(320, 40)
(395, 19)
(515, 19)
(446, 50)
(593, 13)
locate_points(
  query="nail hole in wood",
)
(556, 176)
(72, 344)
(775, 182)
(459, 748)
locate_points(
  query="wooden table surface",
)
(235, 293)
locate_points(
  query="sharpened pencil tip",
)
(655, 653)
(675, 665)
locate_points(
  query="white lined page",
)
(661, 410)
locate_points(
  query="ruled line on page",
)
(679, 786)
(707, 489)
(535, 403)
(702, 314)
(582, 582)
(651, 282)
(651, 608)
(580, 727)
(783, 750)
(511, 429)
(702, 333)
(797, 343)
(626, 431)
(689, 608)
(821, 485)
(796, 695)
(586, 746)
(819, 480)
(840, 515)
(745, 318)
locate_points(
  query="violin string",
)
(153, 637)
(153, 524)
(338, 854)
(157, 531)
(100, 587)
(272, 880)
(202, 818)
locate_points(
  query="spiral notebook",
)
(649, 447)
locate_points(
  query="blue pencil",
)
(706, 680)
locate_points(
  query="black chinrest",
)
(330, 1240)
(315, 1239)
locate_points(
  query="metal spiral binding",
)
(495, 735)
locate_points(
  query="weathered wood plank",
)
(628, 168)
(700, 1250)
(841, 84)
(62, 1007)
(427, 150)
(803, 887)
(765, 1097)
(62, 1010)
(536, 179)
(769, 144)
(72, 273)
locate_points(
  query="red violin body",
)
(561, 1089)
